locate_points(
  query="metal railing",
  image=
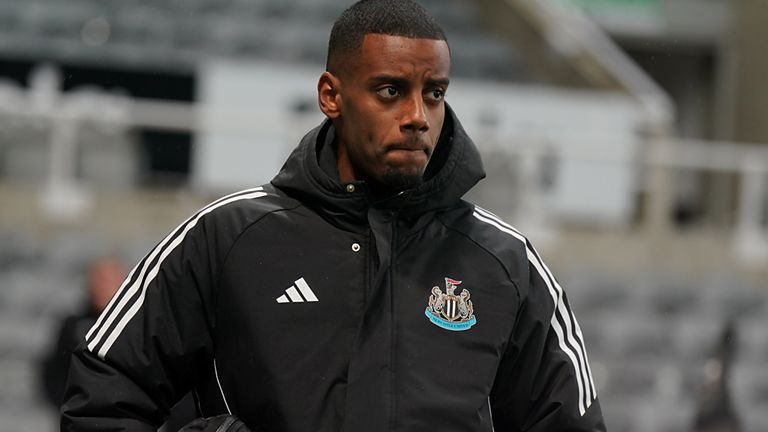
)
(65, 197)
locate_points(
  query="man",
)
(104, 276)
(357, 291)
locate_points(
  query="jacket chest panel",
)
(294, 289)
(455, 309)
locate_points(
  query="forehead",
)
(399, 55)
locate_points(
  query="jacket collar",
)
(455, 167)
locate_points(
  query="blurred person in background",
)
(356, 291)
(104, 276)
(715, 410)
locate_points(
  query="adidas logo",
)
(292, 294)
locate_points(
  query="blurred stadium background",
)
(626, 137)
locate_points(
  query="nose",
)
(414, 117)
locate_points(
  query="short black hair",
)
(387, 17)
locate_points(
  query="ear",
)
(328, 95)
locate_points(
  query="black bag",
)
(220, 423)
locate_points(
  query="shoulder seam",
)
(489, 252)
(242, 231)
(130, 296)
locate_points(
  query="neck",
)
(344, 165)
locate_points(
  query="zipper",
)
(393, 331)
(232, 424)
(226, 426)
(371, 267)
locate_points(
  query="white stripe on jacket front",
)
(566, 339)
(140, 284)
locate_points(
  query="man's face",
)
(391, 110)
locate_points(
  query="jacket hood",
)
(455, 167)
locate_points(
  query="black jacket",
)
(304, 306)
(54, 366)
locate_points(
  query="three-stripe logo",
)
(300, 295)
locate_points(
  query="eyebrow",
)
(439, 81)
(402, 82)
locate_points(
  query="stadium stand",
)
(176, 34)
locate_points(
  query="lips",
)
(410, 149)
(416, 147)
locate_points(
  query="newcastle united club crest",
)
(448, 310)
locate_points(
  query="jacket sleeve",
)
(544, 382)
(151, 341)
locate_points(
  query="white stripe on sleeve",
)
(578, 358)
(138, 287)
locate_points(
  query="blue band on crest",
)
(453, 326)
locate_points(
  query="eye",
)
(387, 92)
(436, 95)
